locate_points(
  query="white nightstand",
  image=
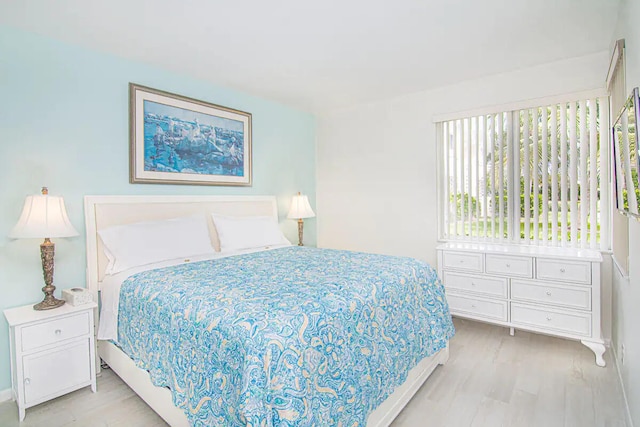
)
(52, 352)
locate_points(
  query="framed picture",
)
(179, 140)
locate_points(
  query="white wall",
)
(376, 163)
(626, 291)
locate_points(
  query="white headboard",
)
(106, 211)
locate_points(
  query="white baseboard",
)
(624, 393)
(5, 395)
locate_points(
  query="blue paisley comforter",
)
(286, 337)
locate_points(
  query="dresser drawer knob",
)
(473, 283)
(549, 318)
(58, 331)
(548, 293)
(27, 381)
(473, 306)
(461, 261)
(562, 270)
(508, 265)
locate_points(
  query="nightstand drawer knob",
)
(58, 331)
(27, 381)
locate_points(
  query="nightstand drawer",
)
(480, 307)
(467, 261)
(565, 271)
(564, 321)
(42, 334)
(507, 265)
(569, 296)
(490, 286)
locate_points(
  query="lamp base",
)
(300, 228)
(48, 303)
(47, 251)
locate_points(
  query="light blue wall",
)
(64, 124)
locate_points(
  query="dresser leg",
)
(512, 331)
(598, 349)
(21, 413)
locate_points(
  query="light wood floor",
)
(491, 379)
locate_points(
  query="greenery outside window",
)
(528, 176)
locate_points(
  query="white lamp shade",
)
(300, 207)
(43, 216)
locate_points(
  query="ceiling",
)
(327, 54)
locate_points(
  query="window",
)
(618, 93)
(527, 175)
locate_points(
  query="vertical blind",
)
(531, 176)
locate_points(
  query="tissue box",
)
(77, 296)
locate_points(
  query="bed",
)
(271, 336)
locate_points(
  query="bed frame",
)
(106, 211)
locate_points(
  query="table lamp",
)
(300, 209)
(44, 216)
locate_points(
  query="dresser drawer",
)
(508, 265)
(42, 334)
(566, 321)
(568, 296)
(564, 270)
(496, 310)
(490, 286)
(467, 261)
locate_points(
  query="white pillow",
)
(142, 243)
(246, 232)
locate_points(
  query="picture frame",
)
(179, 140)
(626, 156)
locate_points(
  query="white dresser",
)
(555, 291)
(52, 352)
